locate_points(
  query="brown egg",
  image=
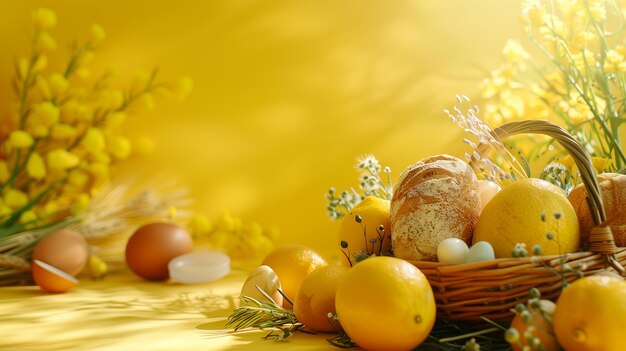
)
(153, 246)
(66, 250)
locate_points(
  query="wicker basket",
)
(492, 288)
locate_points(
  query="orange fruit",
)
(316, 297)
(291, 264)
(591, 315)
(51, 279)
(385, 303)
(365, 236)
(525, 212)
(540, 327)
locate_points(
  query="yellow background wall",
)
(287, 93)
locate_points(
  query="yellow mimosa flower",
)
(28, 216)
(98, 170)
(78, 178)
(20, 139)
(86, 58)
(35, 167)
(81, 203)
(583, 59)
(199, 224)
(581, 40)
(46, 113)
(58, 84)
(97, 267)
(513, 51)
(63, 132)
(61, 159)
(4, 171)
(597, 9)
(43, 87)
(5, 211)
(44, 18)
(15, 199)
(40, 131)
(69, 112)
(93, 141)
(22, 67)
(101, 157)
(50, 208)
(97, 34)
(532, 13)
(119, 146)
(115, 119)
(112, 99)
(46, 42)
(171, 211)
(145, 102)
(599, 163)
(40, 64)
(614, 62)
(84, 113)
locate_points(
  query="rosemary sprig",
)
(263, 314)
(342, 340)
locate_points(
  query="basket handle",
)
(601, 238)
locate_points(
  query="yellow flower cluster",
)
(575, 78)
(241, 241)
(66, 128)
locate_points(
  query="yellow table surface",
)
(124, 312)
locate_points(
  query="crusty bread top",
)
(432, 168)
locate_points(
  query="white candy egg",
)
(487, 189)
(452, 251)
(481, 251)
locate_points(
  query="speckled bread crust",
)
(435, 199)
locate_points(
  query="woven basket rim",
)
(601, 239)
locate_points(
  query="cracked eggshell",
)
(265, 278)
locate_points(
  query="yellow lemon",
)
(591, 315)
(291, 264)
(365, 229)
(316, 297)
(529, 211)
(385, 303)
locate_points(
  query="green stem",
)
(607, 130)
(19, 167)
(469, 335)
(604, 85)
(16, 215)
(24, 91)
(72, 65)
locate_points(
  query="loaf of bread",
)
(435, 199)
(613, 188)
